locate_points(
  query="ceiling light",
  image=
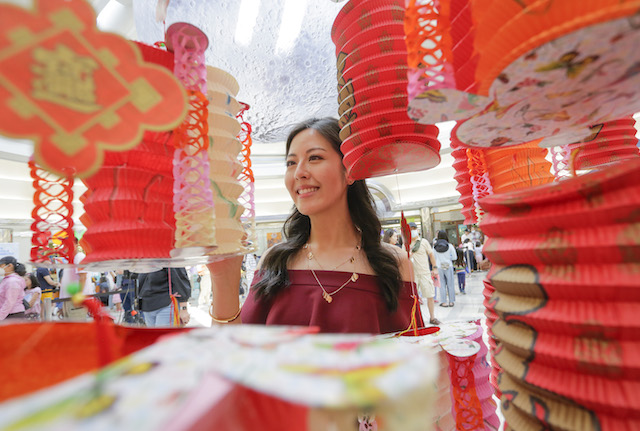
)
(247, 16)
(291, 24)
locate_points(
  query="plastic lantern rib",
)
(378, 136)
(52, 213)
(193, 197)
(246, 176)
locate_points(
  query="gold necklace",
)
(354, 276)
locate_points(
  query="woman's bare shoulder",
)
(263, 256)
(403, 260)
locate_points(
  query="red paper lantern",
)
(610, 142)
(518, 167)
(378, 136)
(129, 203)
(465, 188)
(566, 257)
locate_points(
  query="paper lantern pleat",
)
(518, 167)
(129, 204)
(565, 324)
(378, 136)
(609, 143)
(465, 188)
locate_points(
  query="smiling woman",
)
(332, 271)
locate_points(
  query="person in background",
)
(204, 298)
(46, 282)
(476, 235)
(478, 253)
(445, 256)
(465, 236)
(71, 276)
(156, 289)
(391, 237)
(11, 290)
(461, 273)
(103, 290)
(469, 248)
(251, 263)
(126, 281)
(421, 255)
(32, 295)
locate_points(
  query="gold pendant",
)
(327, 297)
(354, 277)
(310, 256)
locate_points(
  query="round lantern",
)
(378, 136)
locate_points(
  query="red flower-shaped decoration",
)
(76, 91)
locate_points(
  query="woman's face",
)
(27, 280)
(315, 177)
(394, 239)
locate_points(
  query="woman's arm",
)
(49, 280)
(35, 297)
(452, 253)
(225, 281)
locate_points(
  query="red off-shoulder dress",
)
(358, 308)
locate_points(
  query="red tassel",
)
(108, 343)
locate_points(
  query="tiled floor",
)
(467, 307)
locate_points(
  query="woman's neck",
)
(333, 232)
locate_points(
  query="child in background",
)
(461, 273)
(478, 252)
(462, 279)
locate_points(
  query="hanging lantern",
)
(609, 143)
(129, 201)
(52, 216)
(75, 91)
(224, 150)
(565, 262)
(193, 197)
(465, 188)
(518, 167)
(378, 136)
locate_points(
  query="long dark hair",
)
(442, 234)
(387, 235)
(34, 280)
(297, 229)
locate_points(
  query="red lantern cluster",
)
(129, 202)
(464, 187)
(378, 136)
(610, 142)
(566, 258)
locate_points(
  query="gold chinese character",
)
(65, 78)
